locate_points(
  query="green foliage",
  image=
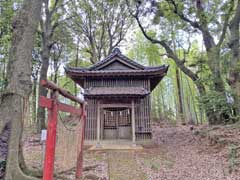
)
(169, 115)
(68, 83)
(81, 63)
(144, 51)
(99, 25)
(217, 108)
(180, 24)
(3, 83)
(164, 98)
(6, 15)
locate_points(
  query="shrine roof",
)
(115, 91)
(117, 65)
(81, 72)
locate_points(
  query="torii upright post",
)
(80, 149)
(53, 107)
(51, 138)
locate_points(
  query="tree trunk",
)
(214, 65)
(234, 76)
(46, 35)
(180, 98)
(43, 91)
(163, 105)
(212, 52)
(34, 101)
(192, 97)
(55, 77)
(15, 98)
(76, 65)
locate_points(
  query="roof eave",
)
(116, 96)
(115, 53)
(154, 81)
(76, 73)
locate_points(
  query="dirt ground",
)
(190, 157)
(175, 153)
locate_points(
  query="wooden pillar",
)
(51, 138)
(98, 124)
(79, 166)
(133, 124)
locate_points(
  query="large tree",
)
(166, 44)
(19, 86)
(234, 76)
(50, 21)
(99, 26)
(186, 17)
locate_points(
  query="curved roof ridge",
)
(116, 52)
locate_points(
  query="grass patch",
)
(123, 166)
(157, 162)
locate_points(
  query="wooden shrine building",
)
(117, 90)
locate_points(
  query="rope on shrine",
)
(69, 129)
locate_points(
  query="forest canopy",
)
(199, 39)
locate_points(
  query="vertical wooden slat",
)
(90, 119)
(87, 122)
(143, 114)
(86, 129)
(89, 115)
(98, 123)
(133, 124)
(94, 119)
(102, 122)
(92, 116)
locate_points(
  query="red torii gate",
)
(53, 106)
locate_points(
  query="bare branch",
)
(202, 26)
(225, 24)
(169, 52)
(180, 14)
(54, 8)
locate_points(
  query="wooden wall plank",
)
(142, 107)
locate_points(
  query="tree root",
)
(89, 168)
(91, 177)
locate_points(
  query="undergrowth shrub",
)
(218, 107)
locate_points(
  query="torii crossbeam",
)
(53, 106)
